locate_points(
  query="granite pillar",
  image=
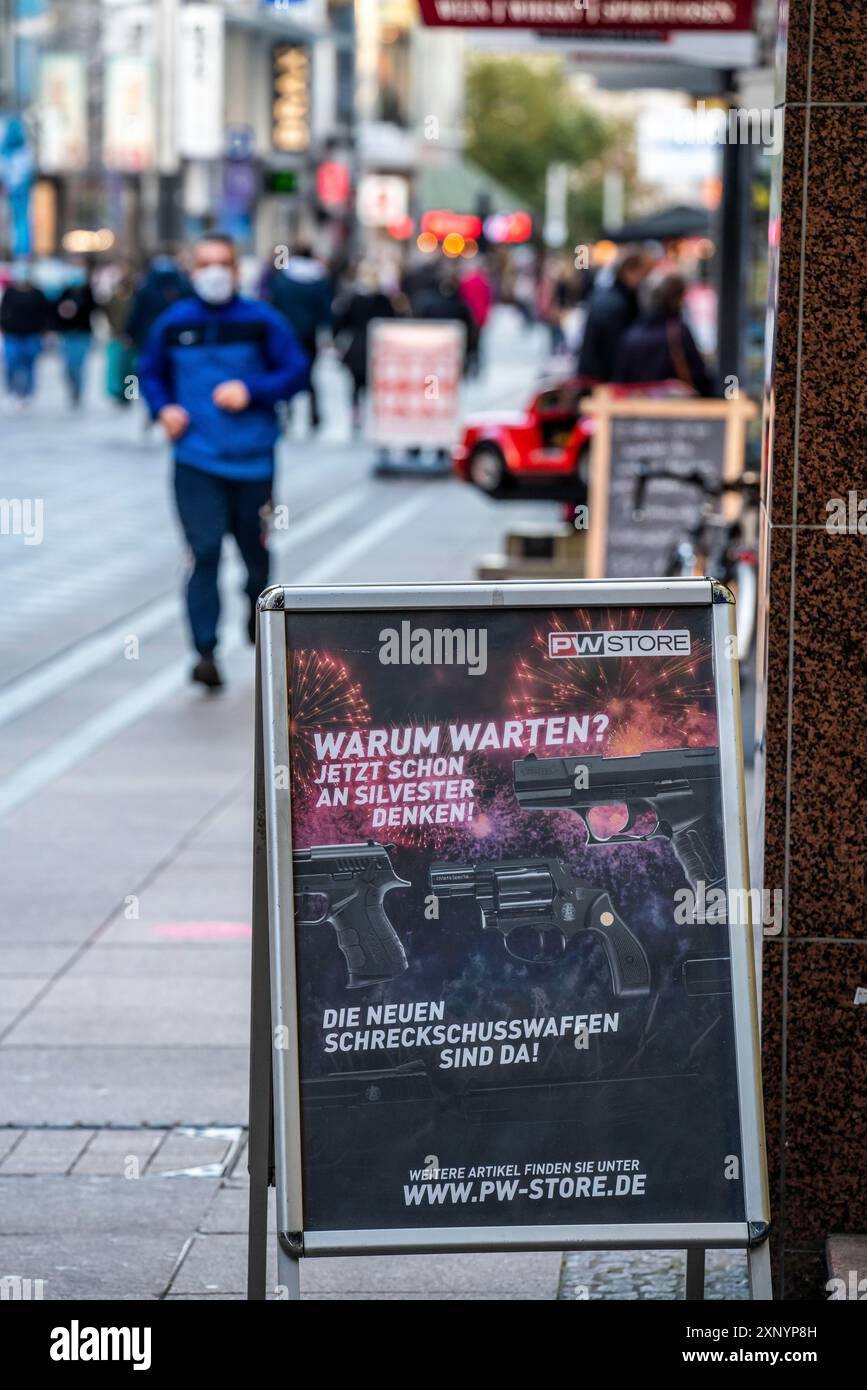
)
(812, 824)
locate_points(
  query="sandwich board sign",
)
(503, 986)
(414, 370)
(683, 434)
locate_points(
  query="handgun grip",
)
(371, 947)
(630, 971)
(695, 857)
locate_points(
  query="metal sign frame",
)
(275, 1156)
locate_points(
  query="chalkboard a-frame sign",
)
(682, 434)
(432, 1081)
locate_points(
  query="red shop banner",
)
(591, 16)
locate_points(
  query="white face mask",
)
(214, 283)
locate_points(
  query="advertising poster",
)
(129, 126)
(414, 370)
(511, 940)
(382, 199)
(200, 97)
(62, 113)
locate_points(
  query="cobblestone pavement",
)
(649, 1274)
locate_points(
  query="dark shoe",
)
(205, 673)
(251, 623)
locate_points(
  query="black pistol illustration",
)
(676, 784)
(345, 885)
(539, 906)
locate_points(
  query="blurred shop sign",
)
(666, 157)
(290, 105)
(442, 223)
(280, 181)
(414, 370)
(62, 113)
(508, 228)
(333, 184)
(31, 27)
(382, 199)
(199, 68)
(308, 13)
(590, 16)
(128, 30)
(240, 142)
(129, 123)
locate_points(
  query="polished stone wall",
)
(813, 647)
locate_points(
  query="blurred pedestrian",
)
(161, 286)
(301, 292)
(73, 324)
(419, 274)
(610, 313)
(561, 292)
(354, 311)
(120, 354)
(477, 291)
(524, 284)
(25, 315)
(659, 345)
(214, 368)
(441, 301)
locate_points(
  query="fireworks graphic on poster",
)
(634, 703)
(322, 695)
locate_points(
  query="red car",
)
(544, 450)
(541, 449)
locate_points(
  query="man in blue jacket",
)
(213, 369)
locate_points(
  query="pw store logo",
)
(653, 642)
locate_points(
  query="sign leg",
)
(694, 1276)
(759, 1263)
(288, 1270)
(259, 1139)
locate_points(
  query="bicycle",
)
(717, 545)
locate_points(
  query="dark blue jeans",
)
(75, 347)
(210, 508)
(21, 351)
